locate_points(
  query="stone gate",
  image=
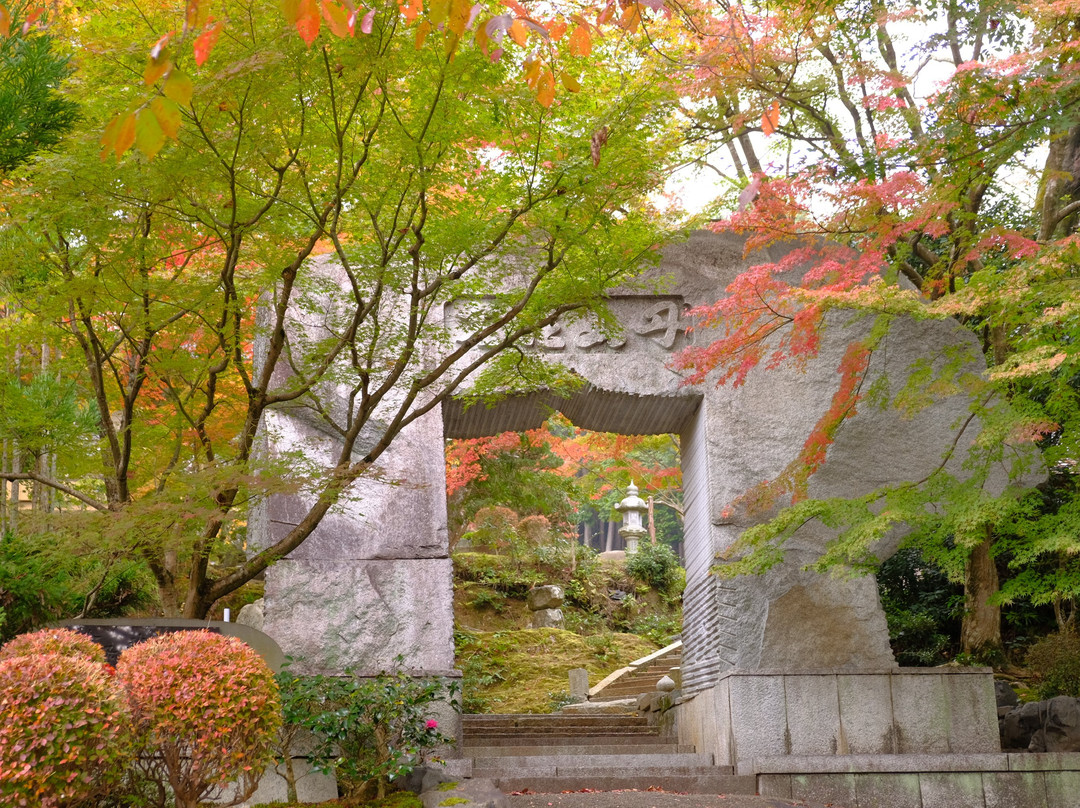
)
(791, 662)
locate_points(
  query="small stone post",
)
(579, 685)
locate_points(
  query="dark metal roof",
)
(588, 408)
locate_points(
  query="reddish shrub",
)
(206, 711)
(61, 641)
(63, 736)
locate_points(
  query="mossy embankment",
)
(612, 615)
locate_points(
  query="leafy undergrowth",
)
(526, 670)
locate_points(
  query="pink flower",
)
(432, 724)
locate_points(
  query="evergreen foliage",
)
(34, 115)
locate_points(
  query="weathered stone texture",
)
(545, 597)
(251, 614)
(547, 618)
(334, 615)
(579, 684)
(397, 511)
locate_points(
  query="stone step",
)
(567, 731)
(552, 719)
(689, 783)
(571, 748)
(580, 738)
(556, 764)
(630, 691)
(537, 772)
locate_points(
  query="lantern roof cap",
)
(632, 500)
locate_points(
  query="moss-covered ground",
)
(526, 670)
(611, 620)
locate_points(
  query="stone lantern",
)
(633, 509)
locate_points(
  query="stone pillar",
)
(373, 581)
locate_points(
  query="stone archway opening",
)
(651, 612)
(588, 472)
(597, 410)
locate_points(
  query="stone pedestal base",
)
(924, 781)
(748, 715)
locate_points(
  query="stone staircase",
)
(553, 753)
(639, 677)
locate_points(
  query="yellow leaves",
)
(196, 14)
(531, 72)
(167, 113)
(482, 38)
(157, 66)
(149, 136)
(459, 16)
(178, 87)
(438, 11)
(118, 136)
(540, 78)
(570, 83)
(150, 126)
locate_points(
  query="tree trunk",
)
(609, 544)
(980, 633)
(652, 523)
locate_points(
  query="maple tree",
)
(560, 471)
(922, 161)
(545, 38)
(359, 184)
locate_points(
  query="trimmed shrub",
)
(655, 565)
(63, 641)
(63, 738)
(206, 713)
(1056, 660)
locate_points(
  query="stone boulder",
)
(1005, 695)
(1043, 726)
(1019, 724)
(548, 618)
(1060, 730)
(252, 614)
(427, 778)
(475, 793)
(545, 597)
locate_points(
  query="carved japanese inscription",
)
(643, 321)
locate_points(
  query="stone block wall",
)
(925, 781)
(749, 715)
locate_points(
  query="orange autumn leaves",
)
(552, 49)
